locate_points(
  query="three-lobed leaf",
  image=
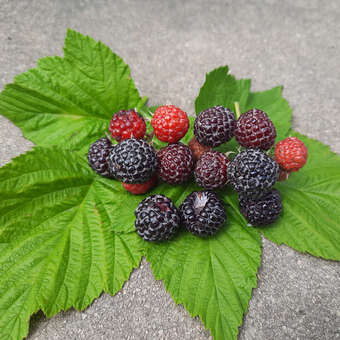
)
(61, 243)
(69, 101)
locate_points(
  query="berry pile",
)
(252, 172)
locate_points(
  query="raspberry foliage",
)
(62, 221)
(133, 161)
(157, 218)
(77, 98)
(67, 232)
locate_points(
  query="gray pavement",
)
(170, 45)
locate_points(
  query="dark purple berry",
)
(97, 157)
(176, 163)
(262, 211)
(157, 218)
(133, 161)
(214, 126)
(252, 172)
(202, 213)
(254, 129)
(211, 170)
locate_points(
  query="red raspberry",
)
(254, 129)
(127, 124)
(170, 123)
(291, 154)
(141, 188)
(197, 149)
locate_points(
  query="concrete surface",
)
(170, 45)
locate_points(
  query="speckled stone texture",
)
(170, 45)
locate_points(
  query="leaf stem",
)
(149, 137)
(283, 175)
(108, 136)
(227, 154)
(237, 110)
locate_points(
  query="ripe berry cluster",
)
(252, 173)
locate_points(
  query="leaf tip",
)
(70, 32)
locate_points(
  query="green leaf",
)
(311, 201)
(62, 240)
(212, 277)
(221, 88)
(69, 101)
